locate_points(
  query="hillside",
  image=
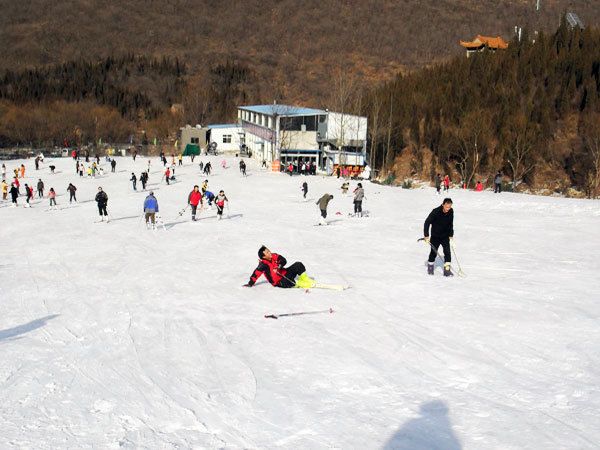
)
(291, 45)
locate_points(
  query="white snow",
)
(113, 336)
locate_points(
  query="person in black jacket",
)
(102, 200)
(441, 220)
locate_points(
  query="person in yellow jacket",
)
(4, 190)
(180, 158)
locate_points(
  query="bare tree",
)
(590, 158)
(375, 112)
(520, 139)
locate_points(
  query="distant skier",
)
(150, 209)
(144, 179)
(133, 179)
(180, 159)
(243, 167)
(28, 195)
(52, 197)
(446, 183)
(4, 189)
(441, 220)
(498, 183)
(479, 186)
(345, 187)
(195, 198)
(40, 188)
(359, 195)
(323, 202)
(167, 175)
(271, 265)
(210, 197)
(71, 189)
(201, 166)
(102, 200)
(438, 183)
(204, 187)
(14, 193)
(207, 168)
(304, 189)
(220, 202)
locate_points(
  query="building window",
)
(195, 140)
(226, 139)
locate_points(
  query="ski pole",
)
(433, 248)
(460, 271)
(302, 313)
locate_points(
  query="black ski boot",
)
(430, 268)
(447, 271)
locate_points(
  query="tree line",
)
(531, 112)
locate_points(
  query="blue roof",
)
(283, 110)
(223, 125)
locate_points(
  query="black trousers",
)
(102, 209)
(72, 197)
(194, 207)
(40, 193)
(497, 188)
(324, 213)
(357, 206)
(289, 281)
(435, 243)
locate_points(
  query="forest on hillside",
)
(531, 112)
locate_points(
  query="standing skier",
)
(40, 188)
(29, 195)
(359, 195)
(144, 179)
(133, 179)
(498, 183)
(441, 220)
(446, 183)
(14, 193)
(194, 198)
(150, 209)
(438, 183)
(220, 202)
(52, 197)
(304, 189)
(204, 187)
(167, 175)
(113, 165)
(4, 189)
(71, 189)
(102, 200)
(271, 265)
(323, 202)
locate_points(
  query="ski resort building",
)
(195, 136)
(226, 138)
(293, 134)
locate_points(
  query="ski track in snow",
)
(113, 336)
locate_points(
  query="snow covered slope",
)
(113, 336)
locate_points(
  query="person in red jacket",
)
(479, 186)
(271, 265)
(167, 175)
(194, 199)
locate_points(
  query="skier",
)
(201, 165)
(479, 186)
(71, 189)
(323, 202)
(22, 170)
(29, 195)
(446, 183)
(144, 179)
(102, 200)
(195, 198)
(498, 183)
(167, 175)
(441, 220)
(291, 169)
(40, 188)
(4, 189)
(438, 183)
(359, 194)
(37, 163)
(180, 158)
(207, 168)
(204, 187)
(133, 179)
(150, 209)
(209, 197)
(134, 155)
(3, 171)
(345, 186)
(271, 265)
(82, 168)
(304, 189)
(243, 168)
(220, 202)
(264, 164)
(113, 165)
(52, 197)
(14, 193)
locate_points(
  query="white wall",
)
(216, 135)
(354, 127)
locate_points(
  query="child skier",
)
(220, 202)
(52, 197)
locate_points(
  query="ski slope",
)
(114, 336)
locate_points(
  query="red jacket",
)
(194, 198)
(273, 270)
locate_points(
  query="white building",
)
(228, 138)
(296, 134)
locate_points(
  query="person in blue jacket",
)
(150, 209)
(210, 197)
